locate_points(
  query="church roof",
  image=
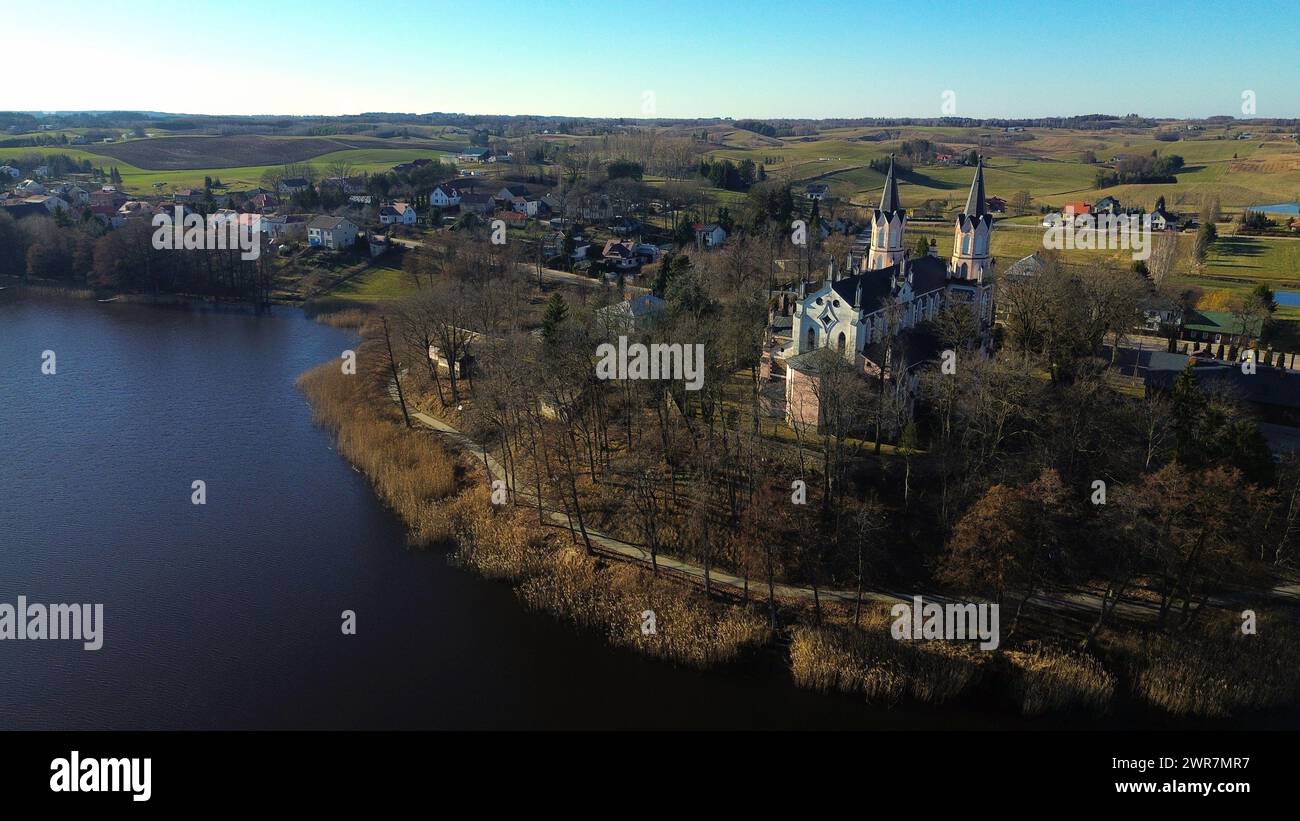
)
(889, 196)
(975, 203)
(928, 274)
(910, 348)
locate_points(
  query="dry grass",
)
(338, 313)
(410, 470)
(1215, 671)
(611, 599)
(418, 478)
(1045, 679)
(868, 661)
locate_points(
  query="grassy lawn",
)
(377, 283)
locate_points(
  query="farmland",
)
(189, 153)
(376, 156)
(1049, 164)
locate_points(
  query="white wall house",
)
(398, 213)
(710, 236)
(444, 196)
(49, 201)
(335, 233)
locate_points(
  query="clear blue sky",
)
(1003, 58)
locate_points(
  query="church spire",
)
(889, 197)
(975, 206)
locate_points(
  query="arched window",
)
(812, 338)
(841, 342)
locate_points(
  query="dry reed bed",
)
(1215, 672)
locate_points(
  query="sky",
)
(666, 58)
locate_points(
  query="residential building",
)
(292, 185)
(397, 213)
(334, 233)
(710, 235)
(444, 196)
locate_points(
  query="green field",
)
(1049, 166)
(143, 181)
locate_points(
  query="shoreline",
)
(1034, 682)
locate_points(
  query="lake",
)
(227, 615)
(1278, 208)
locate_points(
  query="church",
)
(869, 309)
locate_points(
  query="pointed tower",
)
(887, 224)
(970, 241)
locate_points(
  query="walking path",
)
(1077, 602)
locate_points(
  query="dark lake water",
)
(228, 615)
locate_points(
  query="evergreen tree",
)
(557, 312)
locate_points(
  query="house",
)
(476, 202)
(630, 315)
(620, 254)
(1213, 328)
(1025, 268)
(511, 217)
(626, 225)
(709, 236)
(19, 209)
(292, 185)
(1272, 392)
(108, 196)
(444, 196)
(264, 201)
(1072, 210)
(464, 363)
(108, 215)
(284, 228)
(398, 213)
(10, 171)
(335, 233)
(49, 202)
(1107, 205)
(1162, 220)
(508, 194)
(816, 191)
(355, 185)
(74, 194)
(190, 196)
(30, 187)
(472, 154)
(41, 171)
(1159, 312)
(137, 208)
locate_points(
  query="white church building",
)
(886, 294)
